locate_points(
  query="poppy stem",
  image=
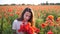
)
(2, 23)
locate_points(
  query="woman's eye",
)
(27, 15)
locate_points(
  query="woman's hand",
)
(35, 33)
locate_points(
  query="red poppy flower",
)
(17, 13)
(51, 17)
(10, 10)
(11, 14)
(27, 28)
(58, 19)
(36, 29)
(43, 25)
(51, 24)
(3, 8)
(50, 32)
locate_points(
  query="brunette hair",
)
(22, 15)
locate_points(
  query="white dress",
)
(16, 25)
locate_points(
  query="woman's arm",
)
(35, 33)
(14, 27)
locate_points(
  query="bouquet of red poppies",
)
(28, 29)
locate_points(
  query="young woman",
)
(26, 16)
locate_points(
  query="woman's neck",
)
(24, 22)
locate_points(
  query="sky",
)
(28, 1)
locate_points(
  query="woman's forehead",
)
(28, 13)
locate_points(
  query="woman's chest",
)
(18, 24)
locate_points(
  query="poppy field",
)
(47, 18)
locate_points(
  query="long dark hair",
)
(22, 15)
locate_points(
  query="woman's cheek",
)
(26, 18)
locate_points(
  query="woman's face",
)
(27, 16)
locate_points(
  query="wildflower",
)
(10, 10)
(11, 14)
(50, 17)
(49, 32)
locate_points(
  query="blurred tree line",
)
(13, 4)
